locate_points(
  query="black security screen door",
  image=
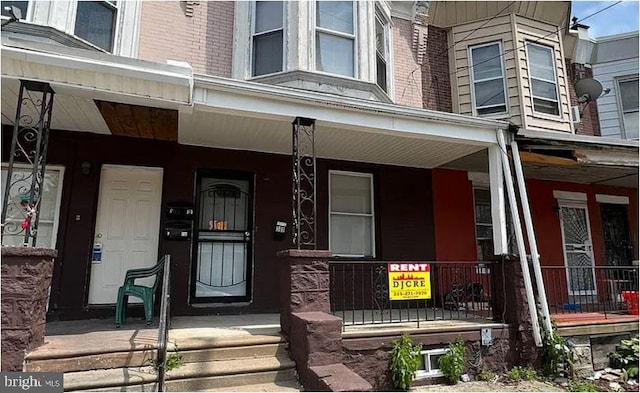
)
(615, 230)
(223, 238)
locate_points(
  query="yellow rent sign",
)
(409, 281)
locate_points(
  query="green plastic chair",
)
(140, 291)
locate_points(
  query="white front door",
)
(578, 249)
(127, 228)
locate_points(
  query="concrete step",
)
(217, 374)
(284, 386)
(142, 358)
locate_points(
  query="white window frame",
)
(372, 214)
(113, 4)
(482, 267)
(252, 66)
(473, 81)
(354, 37)
(551, 49)
(379, 15)
(428, 372)
(621, 111)
(58, 202)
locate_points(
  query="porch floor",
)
(591, 318)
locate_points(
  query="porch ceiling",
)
(341, 143)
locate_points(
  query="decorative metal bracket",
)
(304, 183)
(23, 190)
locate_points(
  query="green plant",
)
(173, 360)
(452, 363)
(523, 374)
(405, 360)
(626, 356)
(557, 357)
(582, 386)
(486, 375)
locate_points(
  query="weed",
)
(405, 361)
(523, 374)
(486, 375)
(626, 356)
(557, 357)
(452, 362)
(582, 386)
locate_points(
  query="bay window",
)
(335, 37)
(351, 218)
(268, 36)
(487, 76)
(542, 79)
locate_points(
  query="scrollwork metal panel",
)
(23, 193)
(304, 183)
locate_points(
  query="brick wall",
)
(590, 123)
(407, 71)
(436, 81)
(204, 40)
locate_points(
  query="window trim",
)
(372, 215)
(379, 15)
(314, 39)
(118, 8)
(621, 112)
(58, 203)
(253, 15)
(552, 49)
(426, 354)
(473, 81)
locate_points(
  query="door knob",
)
(99, 235)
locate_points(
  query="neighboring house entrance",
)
(127, 228)
(615, 230)
(223, 241)
(578, 249)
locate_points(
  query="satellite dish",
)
(588, 89)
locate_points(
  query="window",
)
(542, 76)
(267, 37)
(628, 93)
(21, 5)
(335, 37)
(382, 51)
(351, 220)
(96, 22)
(429, 366)
(484, 228)
(49, 207)
(488, 79)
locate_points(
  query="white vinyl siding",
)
(268, 35)
(351, 217)
(487, 76)
(609, 107)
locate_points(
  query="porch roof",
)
(233, 114)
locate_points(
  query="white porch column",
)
(498, 211)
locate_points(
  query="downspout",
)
(515, 217)
(533, 245)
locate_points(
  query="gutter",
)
(576, 139)
(295, 95)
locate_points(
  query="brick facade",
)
(204, 39)
(436, 81)
(590, 123)
(407, 73)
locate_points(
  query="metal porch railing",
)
(360, 293)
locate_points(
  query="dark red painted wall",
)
(453, 216)
(404, 223)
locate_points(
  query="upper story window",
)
(487, 76)
(628, 93)
(542, 77)
(351, 220)
(335, 37)
(96, 22)
(382, 51)
(21, 5)
(268, 33)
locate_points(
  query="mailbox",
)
(177, 230)
(180, 211)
